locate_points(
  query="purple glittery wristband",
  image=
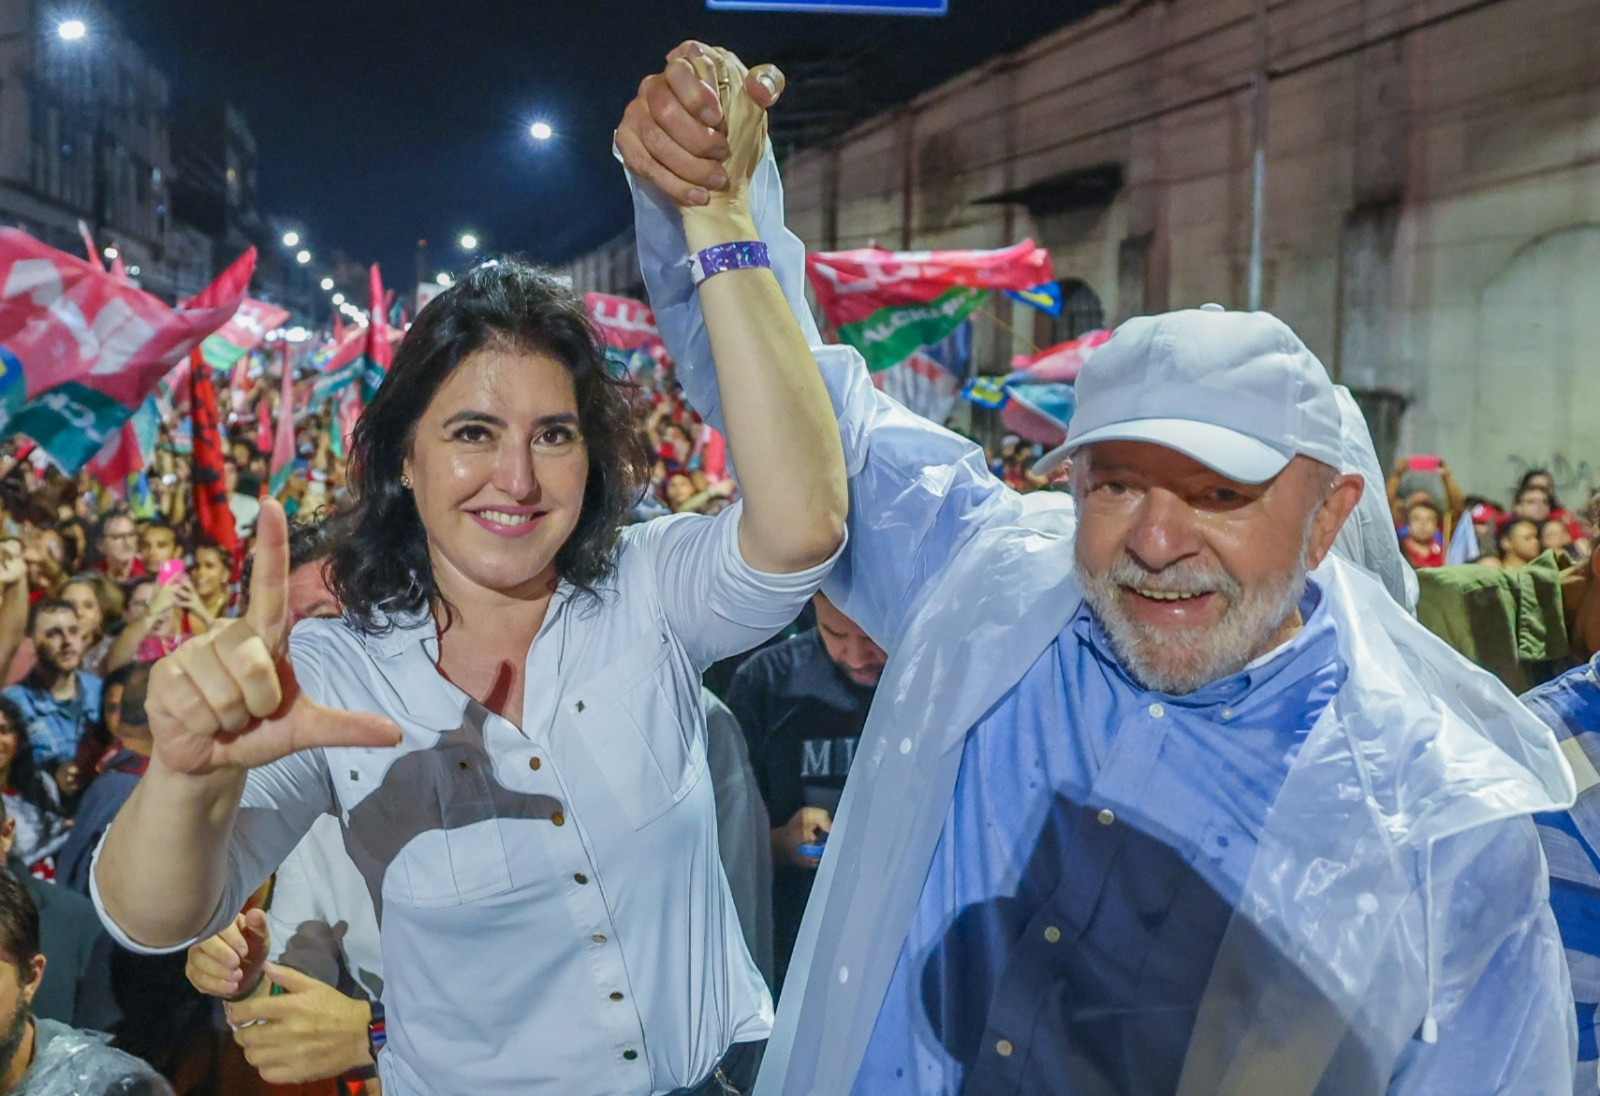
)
(739, 255)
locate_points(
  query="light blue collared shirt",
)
(1098, 841)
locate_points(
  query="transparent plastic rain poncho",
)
(70, 1062)
(1360, 926)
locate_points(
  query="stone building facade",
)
(1432, 199)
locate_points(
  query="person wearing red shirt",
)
(1422, 543)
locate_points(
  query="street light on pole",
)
(72, 30)
(541, 131)
(303, 257)
(327, 284)
(291, 239)
(469, 242)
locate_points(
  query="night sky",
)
(382, 122)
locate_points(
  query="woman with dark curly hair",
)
(513, 737)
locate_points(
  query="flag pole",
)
(994, 318)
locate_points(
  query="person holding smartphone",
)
(1448, 506)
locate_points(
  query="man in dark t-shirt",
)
(801, 704)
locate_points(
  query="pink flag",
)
(283, 443)
(379, 348)
(80, 351)
(1060, 364)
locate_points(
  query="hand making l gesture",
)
(228, 698)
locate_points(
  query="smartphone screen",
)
(171, 571)
(1424, 464)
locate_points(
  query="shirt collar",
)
(1312, 647)
(409, 629)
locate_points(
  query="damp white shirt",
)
(554, 914)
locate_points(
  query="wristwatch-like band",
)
(739, 255)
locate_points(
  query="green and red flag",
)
(380, 347)
(80, 351)
(283, 440)
(891, 304)
(359, 353)
(242, 333)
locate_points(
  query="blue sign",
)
(836, 7)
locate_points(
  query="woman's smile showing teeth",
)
(507, 523)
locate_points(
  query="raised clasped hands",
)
(697, 129)
(228, 699)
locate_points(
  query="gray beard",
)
(11, 1041)
(1178, 661)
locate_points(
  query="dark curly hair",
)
(380, 567)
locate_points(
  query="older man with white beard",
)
(1157, 795)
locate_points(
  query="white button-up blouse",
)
(554, 915)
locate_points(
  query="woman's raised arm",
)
(782, 435)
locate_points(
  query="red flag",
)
(120, 271)
(119, 459)
(338, 327)
(228, 289)
(624, 323)
(264, 426)
(211, 509)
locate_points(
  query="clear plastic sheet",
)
(1394, 871)
(79, 1063)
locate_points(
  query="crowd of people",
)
(410, 784)
(1507, 534)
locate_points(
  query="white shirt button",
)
(905, 745)
(1052, 935)
(844, 975)
(1105, 817)
(1004, 1048)
(1227, 713)
(1157, 711)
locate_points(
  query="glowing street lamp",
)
(541, 131)
(303, 257)
(469, 242)
(111, 253)
(291, 239)
(72, 30)
(338, 298)
(445, 280)
(327, 284)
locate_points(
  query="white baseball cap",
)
(1237, 391)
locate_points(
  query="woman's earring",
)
(405, 481)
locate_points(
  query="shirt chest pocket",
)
(634, 720)
(432, 831)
